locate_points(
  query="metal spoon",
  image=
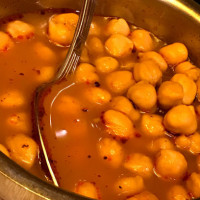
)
(68, 66)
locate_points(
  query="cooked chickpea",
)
(84, 56)
(189, 87)
(193, 184)
(129, 185)
(5, 42)
(86, 73)
(62, 27)
(186, 124)
(139, 164)
(143, 95)
(177, 192)
(44, 74)
(191, 143)
(148, 71)
(174, 53)
(154, 56)
(170, 164)
(95, 29)
(151, 125)
(111, 151)
(115, 26)
(143, 196)
(142, 40)
(20, 122)
(119, 45)
(198, 89)
(12, 98)
(106, 64)
(44, 53)
(182, 142)
(94, 45)
(188, 69)
(87, 189)
(170, 94)
(122, 104)
(68, 105)
(23, 150)
(4, 150)
(160, 144)
(118, 125)
(119, 81)
(20, 30)
(97, 95)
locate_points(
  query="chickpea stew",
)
(125, 126)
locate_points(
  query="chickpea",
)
(86, 73)
(198, 89)
(20, 122)
(94, 45)
(142, 40)
(186, 124)
(106, 64)
(119, 81)
(178, 192)
(44, 74)
(117, 26)
(95, 29)
(188, 69)
(174, 53)
(154, 56)
(12, 98)
(118, 45)
(122, 104)
(143, 95)
(191, 143)
(23, 150)
(143, 196)
(193, 184)
(183, 142)
(20, 30)
(160, 144)
(118, 125)
(189, 87)
(111, 151)
(62, 27)
(139, 164)
(87, 189)
(151, 125)
(97, 95)
(170, 94)
(5, 42)
(4, 150)
(148, 71)
(44, 53)
(69, 105)
(84, 56)
(170, 164)
(129, 185)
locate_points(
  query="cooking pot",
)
(170, 20)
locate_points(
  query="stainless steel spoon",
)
(68, 66)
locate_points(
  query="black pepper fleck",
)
(105, 157)
(97, 84)
(85, 110)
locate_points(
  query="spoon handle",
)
(69, 65)
(79, 39)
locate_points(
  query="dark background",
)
(198, 1)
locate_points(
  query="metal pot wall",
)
(170, 20)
